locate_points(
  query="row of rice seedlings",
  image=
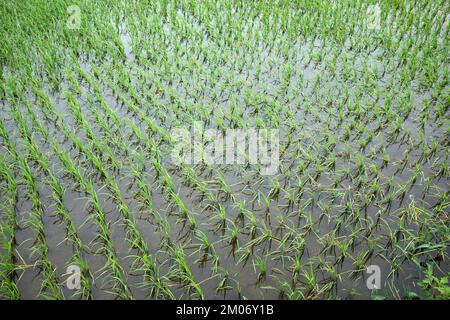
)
(153, 149)
(114, 273)
(50, 288)
(8, 226)
(143, 260)
(181, 206)
(167, 183)
(58, 193)
(101, 148)
(180, 271)
(133, 107)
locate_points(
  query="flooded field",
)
(92, 93)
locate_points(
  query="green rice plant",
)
(85, 291)
(252, 226)
(260, 266)
(220, 217)
(310, 277)
(8, 287)
(285, 290)
(223, 186)
(180, 271)
(224, 284)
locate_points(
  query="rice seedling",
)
(260, 266)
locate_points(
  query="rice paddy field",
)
(92, 91)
